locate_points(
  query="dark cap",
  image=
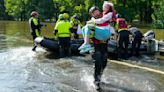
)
(76, 16)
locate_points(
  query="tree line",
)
(147, 11)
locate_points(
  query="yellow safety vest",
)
(34, 27)
(63, 28)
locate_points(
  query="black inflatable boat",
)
(50, 44)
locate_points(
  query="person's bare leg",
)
(86, 41)
(86, 34)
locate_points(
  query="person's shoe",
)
(84, 46)
(34, 48)
(97, 85)
(91, 51)
(85, 50)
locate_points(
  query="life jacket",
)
(34, 26)
(63, 28)
(121, 24)
(114, 16)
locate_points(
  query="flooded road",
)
(22, 70)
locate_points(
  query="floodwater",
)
(22, 70)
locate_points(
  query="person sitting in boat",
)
(35, 27)
(123, 38)
(76, 29)
(102, 32)
(136, 42)
(62, 31)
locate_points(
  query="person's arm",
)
(105, 18)
(56, 30)
(37, 23)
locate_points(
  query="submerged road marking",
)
(137, 66)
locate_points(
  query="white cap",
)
(107, 3)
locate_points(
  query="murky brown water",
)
(22, 70)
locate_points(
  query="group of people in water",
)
(96, 31)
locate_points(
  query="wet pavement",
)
(22, 70)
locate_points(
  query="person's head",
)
(76, 16)
(118, 16)
(66, 16)
(61, 17)
(34, 14)
(94, 11)
(108, 7)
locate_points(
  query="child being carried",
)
(101, 33)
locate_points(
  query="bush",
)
(158, 16)
(158, 24)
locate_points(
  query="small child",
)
(101, 32)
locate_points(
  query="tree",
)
(129, 9)
(132, 9)
(158, 15)
(44, 7)
(21, 9)
(3, 14)
(16, 8)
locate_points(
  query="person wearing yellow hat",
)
(66, 16)
(62, 30)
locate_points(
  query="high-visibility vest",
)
(63, 28)
(34, 25)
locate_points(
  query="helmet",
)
(76, 16)
(61, 16)
(66, 15)
(92, 9)
(34, 13)
(118, 16)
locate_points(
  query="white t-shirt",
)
(105, 18)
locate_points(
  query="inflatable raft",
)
(50, 44)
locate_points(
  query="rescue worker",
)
(102, 32)
(123, 38)
(136, 42)
(101, 53)
(75, 20)
(62, 30)
(35, 27)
